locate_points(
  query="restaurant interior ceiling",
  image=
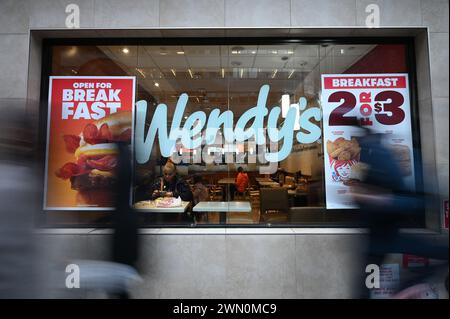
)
(225, 76)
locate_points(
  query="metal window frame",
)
(408, 41)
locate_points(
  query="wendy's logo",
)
(257, 124)
(340, 169)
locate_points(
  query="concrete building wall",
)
(240, 265)
(232, 263)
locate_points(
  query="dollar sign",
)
(378, 107)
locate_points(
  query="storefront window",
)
(256, 110)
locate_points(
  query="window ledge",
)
(226, 231)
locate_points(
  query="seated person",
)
(171, 185)
(241, 183)
(199, 190)
(201, 194)
(279, 176)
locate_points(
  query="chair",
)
(274, 200)
(290, 181)
(244, 195)
(254, 196)
(215, 193)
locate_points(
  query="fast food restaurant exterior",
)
(232, 54)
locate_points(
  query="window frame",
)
(325, 213)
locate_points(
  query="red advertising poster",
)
(376, 101)
(86, 116)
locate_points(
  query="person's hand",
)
(169, 194)
(155, 193)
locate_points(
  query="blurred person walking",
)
(125, 248)
(19, 272)
(385, 203)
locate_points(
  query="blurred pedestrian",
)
(385, 203)
(125, 245)
(19, 273)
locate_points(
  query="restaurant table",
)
(269, 184)
(150, 207)
(223, 208)
(263, 179)
(226, 180)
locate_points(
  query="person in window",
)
(240, 184)
(201, 194)
(279, 176)
(171, 184)
(199, 190)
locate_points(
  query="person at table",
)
(171, 185)
(199, 190)
(201, 194)
(241, 183)
(279, 176)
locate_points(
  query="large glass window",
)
(227, 82)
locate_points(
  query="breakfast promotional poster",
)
(87, 115)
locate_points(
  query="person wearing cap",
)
(171, 184)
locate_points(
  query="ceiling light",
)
(72, 51)
(156, 84)
(253, 52)
(274, 52)
(180, 52)
(141, 72)
(223, 73)
(236, 50)
(173, 72)
(290, 52)
(163, 53)
(274, 73)
(125, 50)
(190, 73)
(290, 74)
(342, 51)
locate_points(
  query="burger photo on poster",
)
(93, 173)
